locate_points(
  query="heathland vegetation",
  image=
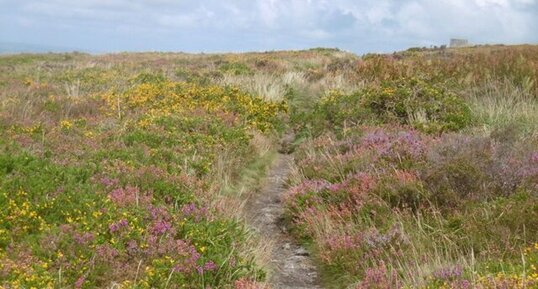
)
(417, 169)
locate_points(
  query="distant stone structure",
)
(454, 42)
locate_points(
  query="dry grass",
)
(270, 87)
(500, 104)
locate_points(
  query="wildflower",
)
(191, 210)
(448, 273)
(106, 252)
(108, 182)
(66, 124)
(160, 227)
(118, 225)
(210, 266)
(128, 196)
(80, 282)
(83, 238)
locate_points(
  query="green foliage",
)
(148, 77)
(235, 68)
(485, 225)
(427, 107)
(430, 108)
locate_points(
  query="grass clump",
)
(235, 68)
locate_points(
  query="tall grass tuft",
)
(500, 104)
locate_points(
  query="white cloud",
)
(485, 3)
(198, 18)
(269, 12)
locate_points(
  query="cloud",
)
(216, 25)
(197, 18)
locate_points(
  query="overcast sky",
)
(245, 25)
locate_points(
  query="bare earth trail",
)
(292, 267)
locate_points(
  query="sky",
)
(359, 26)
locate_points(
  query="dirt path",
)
(291, 264)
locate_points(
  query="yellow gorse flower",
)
(66, 124)
(167, 98)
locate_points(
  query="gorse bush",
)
(427, 107)
(161, 98)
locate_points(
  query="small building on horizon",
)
(455, 42)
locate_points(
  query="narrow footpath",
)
(291, 265)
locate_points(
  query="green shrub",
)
(235, 68)
(148, 77)
(428, 107)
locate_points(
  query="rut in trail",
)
(291, 265)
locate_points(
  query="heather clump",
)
(462, 167)
(332, 159)
(374, 202)
(378, 278)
